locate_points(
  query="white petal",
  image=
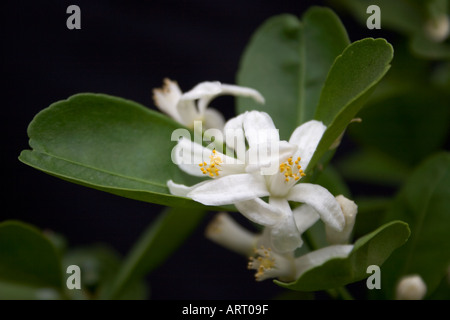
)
(207, 88)
(213, 119)
(322, 201)
(243, 92)
(188, 155)
(206, 91)
(230, 189)
(259, 128)
(181, 190)
(267, 156)
(260, 212)
(234, 136)
(307, 137)
(285, 235)
(167, 98)
(228, 233)
(188, 113)
(319, 257)
(305, 216)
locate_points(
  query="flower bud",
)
(349, 209)
(411, 287)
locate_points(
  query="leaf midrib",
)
(100, 170)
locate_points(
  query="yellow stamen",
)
(292, 169)
(214, 165)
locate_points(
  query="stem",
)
(344, 294)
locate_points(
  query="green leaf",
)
(351, 80)
(424, 203)
(372, 249)
(29, 264)
(288, 61)
(107, 143)
(160, 240)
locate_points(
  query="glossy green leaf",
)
(158, 241)
(372, 249)
(351, 80)
(288, 61)
(30, 266)
(424, 203)
(107, 143)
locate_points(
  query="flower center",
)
(292, 169)
(262, 263)
(214, 165)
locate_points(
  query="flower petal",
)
(167, 97)
(319, 257)
(225, 231)
(213, 119)
(206, 91)
(181, 190)
(242, 92)
(305, 216)
(230, 189)
(206, 88)
(188, 155)
(259, 128)
(188, 113)
(267, 157)
(284, 235)
(322, 201)
(259, 211)
(234, 136)
(307, 137)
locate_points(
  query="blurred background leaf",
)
(424, 203)
(157, 243)
(30, 267)
(417, 20)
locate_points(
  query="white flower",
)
(185, 108)
(268, 262)
(241, 181)
(411, 287)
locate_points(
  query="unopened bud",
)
(411, 287)
(349, 209)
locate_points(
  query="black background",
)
(124, 48)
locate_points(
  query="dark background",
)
(125, 48)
